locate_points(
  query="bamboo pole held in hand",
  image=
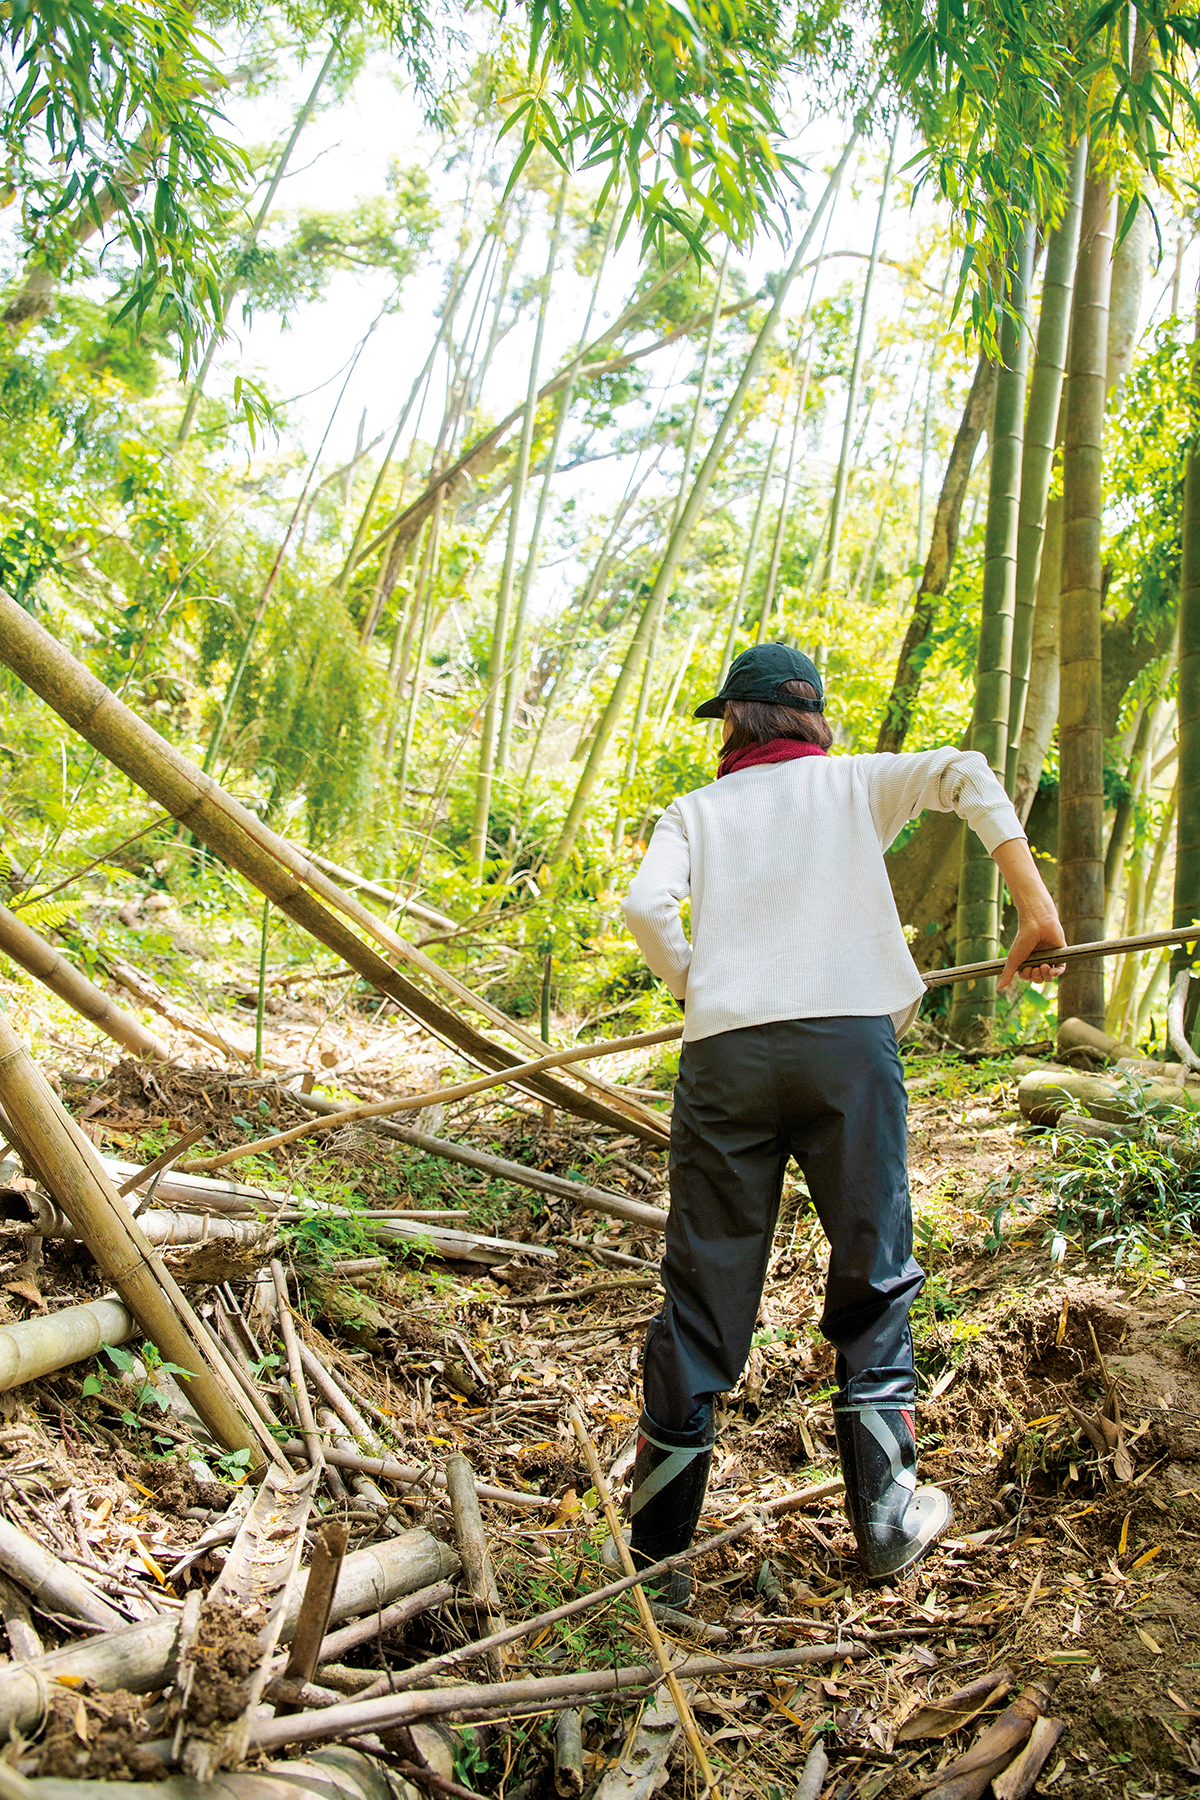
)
(68, 1166)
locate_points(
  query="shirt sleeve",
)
(661, 885)
(946, 780)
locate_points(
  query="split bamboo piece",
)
(43, 962)
(386, 1468)
(34, 1347)
(643, 1605)
(329, 1552)
(69, 1168)
(279, 870)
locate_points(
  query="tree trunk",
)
(974, 1003)
(1081, 736)
(842, 478)
(943, 545)
(687, 519)
(1041, 434)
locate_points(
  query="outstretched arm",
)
(1038, 926)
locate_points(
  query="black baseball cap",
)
(760, 674)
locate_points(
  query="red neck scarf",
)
(779, 750)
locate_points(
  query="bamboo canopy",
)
(43, 962)
(274, 866)
(67, 1165)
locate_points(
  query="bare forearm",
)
(1039, 929)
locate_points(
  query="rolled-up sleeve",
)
(946, 780)
(661, 885)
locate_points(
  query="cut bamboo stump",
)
(43, 962)
(68, 1167)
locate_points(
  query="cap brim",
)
(711, 709)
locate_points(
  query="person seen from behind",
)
(796, 985)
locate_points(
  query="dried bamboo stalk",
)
(512, 1698)
(43, 962)
(53, 1585)
(386, 1468)
(347, 1775)
(34, 1347)
(616, 1206)
(389, 1618)
(472, 1544)
(69, 1168)
(686, 1718)
(291, 1345)
(275, 867)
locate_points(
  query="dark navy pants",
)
(829, 1092)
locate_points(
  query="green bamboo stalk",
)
(943, 547)
(691, 512)
(860, 343)
(260, 218)
(643, 700)
(974, 1004)
(533, 549)
(1081, 717)
(493, 747)
(1187, 829)
(1041, 432)
(262, 986)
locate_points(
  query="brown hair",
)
(759, 721)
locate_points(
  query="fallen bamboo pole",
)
(386, 1468)
(44, 963)
(34, 1347)
(276, 867)
(382, 1109)
(512, 1698)
(68, 1167)
(616, 1206)
(558, 1059)
(51, 1584)
(662, 1655)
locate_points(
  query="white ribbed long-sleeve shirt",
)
(792, 915)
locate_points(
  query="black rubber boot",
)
(670, 1476)
(894, 1520)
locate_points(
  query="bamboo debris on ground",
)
(329, 1553)
(67, 1164)
(686, 1718)
(388, 1468)
(50, 1583)
(382, 1109)
(141, 1658)
(276, 867)
(46, 965)
(602, 1200)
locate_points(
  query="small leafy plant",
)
(125, 1363)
